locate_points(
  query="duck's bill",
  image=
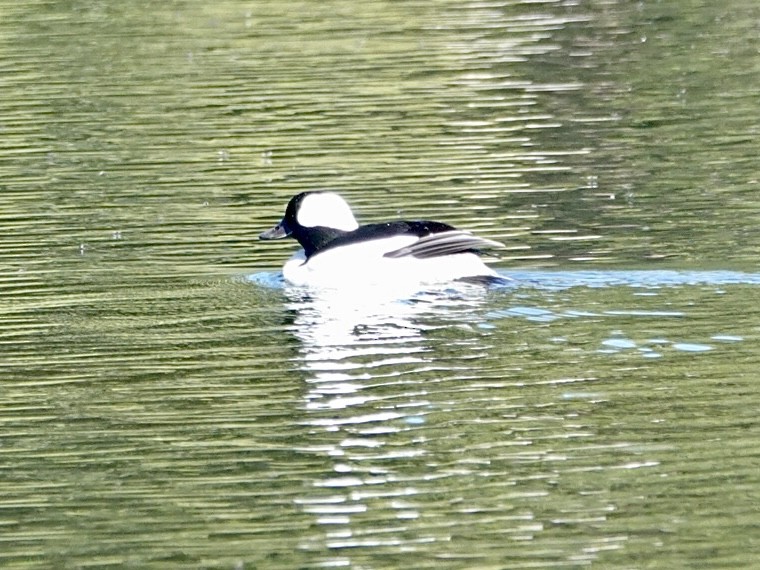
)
(277, 232)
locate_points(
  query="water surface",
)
(168, 403)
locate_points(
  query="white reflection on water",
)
(362, 356)
(354, 335)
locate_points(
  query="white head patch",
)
(326, 209)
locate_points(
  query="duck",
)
(336, 251)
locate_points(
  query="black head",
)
(314, 219)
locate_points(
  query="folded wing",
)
(445, 243)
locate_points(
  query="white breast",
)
(363, 264)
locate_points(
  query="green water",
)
(166, 403)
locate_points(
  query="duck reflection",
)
(369, 365)
(349, 343)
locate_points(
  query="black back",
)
(321, 239)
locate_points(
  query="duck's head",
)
(313, 215)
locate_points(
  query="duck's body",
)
(338, 252)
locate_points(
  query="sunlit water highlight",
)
(365, 355)
(589, 278)
(342, 319)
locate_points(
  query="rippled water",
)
(168, 402)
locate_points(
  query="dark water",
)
(168, 403)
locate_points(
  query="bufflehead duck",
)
(338, 251)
